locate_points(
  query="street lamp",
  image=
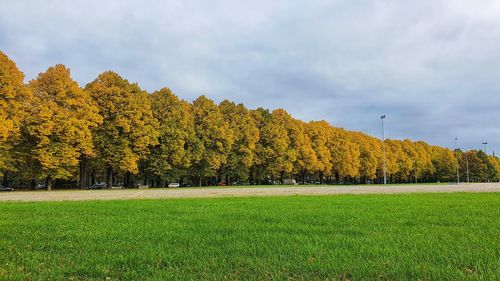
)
(456, 152)
(485, 143)
(383, 147)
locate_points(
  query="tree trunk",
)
(48, 183)
(5, 180)
(83, 173)
(158, 181)
(126, 180)
(109, 177)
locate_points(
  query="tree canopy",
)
(53, 130)
(129, 128)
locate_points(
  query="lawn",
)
(359, 237)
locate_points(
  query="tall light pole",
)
(485, 143)
(383, 147)
(456, 152)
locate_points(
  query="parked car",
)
(40, 186)
(289, 181)
(174, 184)
(141, 186)
(222, 183)
(99, 185)
(4, 188)
(185, 185)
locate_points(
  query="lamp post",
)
(383, 147)
(456, 152)
(485, 143)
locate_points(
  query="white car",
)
(174, 184)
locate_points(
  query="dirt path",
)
(77, 195)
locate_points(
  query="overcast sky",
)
(432, 66)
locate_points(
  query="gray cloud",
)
(432, 66)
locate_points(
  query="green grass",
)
(361, 237)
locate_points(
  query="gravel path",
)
(78, 195)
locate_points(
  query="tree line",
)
(56, 132)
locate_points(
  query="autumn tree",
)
(129, 128)
(274, 154)
(52, 127)
(445, 164)
(178, 146)
(495, 162)
(14, 104)
(215, 135)
(319, 134)
(489, 168)
(260, 166)
(408, 165)
(306, 161)
(345, 155)
(60, 127)
(423, 161)
(245, 135)
(281, 152)
(473, 163)
(370, 154)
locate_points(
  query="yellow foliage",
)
(60, 123)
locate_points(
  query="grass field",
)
(359, 237)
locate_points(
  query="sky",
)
(432, 66)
